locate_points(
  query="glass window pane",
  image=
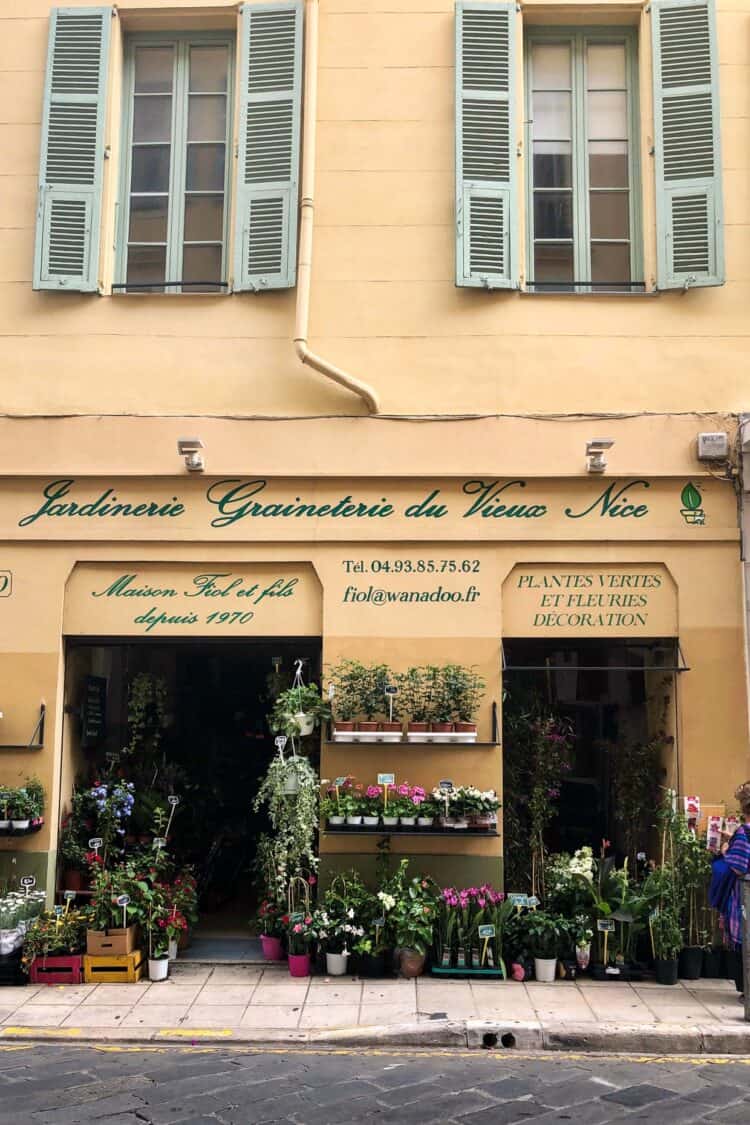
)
(605, 66)
(205, 168)
(150, 170)
(610, 262)
(153, 70)
(552, 164)
(608, 164)
(201, 263)
(551, 116)
(152, 119)
(550, 66)
(608, 115)
(204, 218)
(146, 264)
(148, 218)
(553, 214)
(209, 68)
(553, 263)
(610, 216)
(207, 117)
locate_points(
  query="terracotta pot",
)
(366, 727)
(465, 728)
(393, 728)
(418, 728)
(441, 728)
(411, 963)
(72, 880)
(343, 725)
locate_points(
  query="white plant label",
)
(160, 841)
(27, 881)
(69, 895)
(386, 779)
(280, 741)
(95, 842)
(174, 801)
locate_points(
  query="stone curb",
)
(615, 1038)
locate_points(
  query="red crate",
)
(57, 970)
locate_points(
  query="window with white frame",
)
(176, 172)
(583, 182)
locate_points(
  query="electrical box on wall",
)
(713, 447)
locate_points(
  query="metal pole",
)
(746, 943)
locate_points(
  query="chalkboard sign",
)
(93, 711)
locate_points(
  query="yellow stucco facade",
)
(477, 391)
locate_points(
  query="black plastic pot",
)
(730, 957)
(666, 970)
(713, 967)
(371, 965)
(690, 962)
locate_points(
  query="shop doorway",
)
(187, 719)
(613, 703)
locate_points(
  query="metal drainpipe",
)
(307, 208)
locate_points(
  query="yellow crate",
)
(126, 969)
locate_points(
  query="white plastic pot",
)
(306, 723)
(172, 949)
(544, 969)
(158, 968)
(20, 823)
(370, 821)
(425, 821)
(336, 820)
(408, 821)
(336, 964)
(291, 782)
(354, 820)
(4, 825)
(390, 821)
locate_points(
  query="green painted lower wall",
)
(446, 870)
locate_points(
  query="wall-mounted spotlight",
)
(190, 449)
(596, 462)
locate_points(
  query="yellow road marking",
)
(197, 1032)
(65, 1032)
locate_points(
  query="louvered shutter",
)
(269, 147)
(689, 224)
(72, 150)
(486, 212)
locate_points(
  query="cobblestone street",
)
(60, 1085)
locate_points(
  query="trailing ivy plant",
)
(294, 818)
(146, 714)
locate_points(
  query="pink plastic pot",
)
(299, 964)
(271, 946)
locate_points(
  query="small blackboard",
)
(93, 711)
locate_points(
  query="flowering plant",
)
(460, 914)
(54, 935)
(270, 918)
(300, 933)
(404, 799)
(411, 909)
(113, 803)
(173, 923)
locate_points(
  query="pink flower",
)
(374, 791)
(312, 880)
(297, 928)
(403, 790)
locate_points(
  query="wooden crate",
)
(126, 969)
(56, 970)
(112, 943)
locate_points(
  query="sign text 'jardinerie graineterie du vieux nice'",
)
(481, 503)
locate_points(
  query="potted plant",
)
(331, 811)
(298, 711)
(428, 810)
(5, 797)
(400, 808)
(666, 940)
(440, 696)
(358, 690)
(299, 936)
(270, 920)
(467, 688)
(21, 809)
(415, 703)
(344, 679)
(113, 929)
(332, 935)
(373, 681)
(158, 941)
(52, 947)
(485, 808)
(371, 804)
(693, 871)
(351, 804)
(545, 934)
(412, 920)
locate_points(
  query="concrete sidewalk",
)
(255, 1004)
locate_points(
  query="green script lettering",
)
(613, 504)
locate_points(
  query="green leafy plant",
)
(54, 934)
(463, 689)
(666, 935)
(412, 909)
(413, 695)
(547, 935)
(295, 702)
(147, 700)
(294, 817)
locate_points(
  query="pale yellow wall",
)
(383, 300)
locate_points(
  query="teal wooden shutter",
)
(269, 147)
(689, 225)
(486, 211)
(72, 150)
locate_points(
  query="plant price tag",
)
(59, 910)
(280, 741)
(518, 900)
(379, 922)
(174, 801)
(27, 881)
(386, 779)
(532, 900)
(605, 925)
(296, 917)
(486, 931)
(160, 841)
(390, 689)
(339, 781)
(95, 843)
(446, 784)
(123, 900)
(69, 895)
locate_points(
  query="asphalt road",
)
(59, 1085)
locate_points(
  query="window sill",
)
(612, 294)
